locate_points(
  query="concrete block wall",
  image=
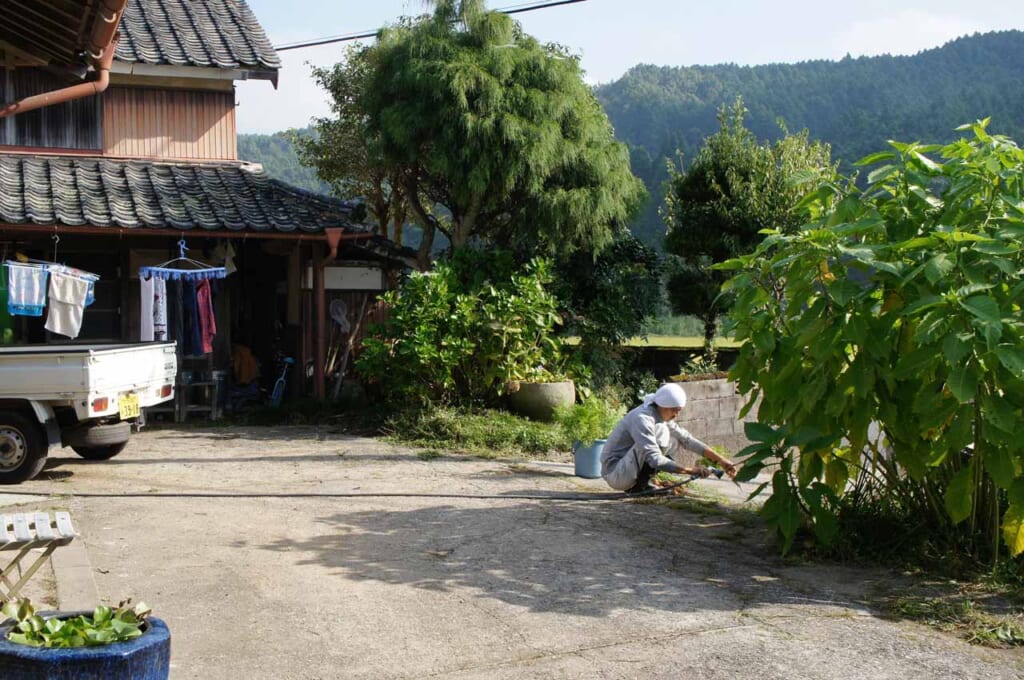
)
(712, 414)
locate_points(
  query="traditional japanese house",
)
(118, 147)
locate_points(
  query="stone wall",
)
(712, 415)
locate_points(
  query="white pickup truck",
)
(82, 396)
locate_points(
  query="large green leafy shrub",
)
(898, 307)
(463, 331)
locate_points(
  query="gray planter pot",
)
(537, 401)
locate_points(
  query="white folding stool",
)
(23, 532)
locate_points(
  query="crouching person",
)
(633, 453)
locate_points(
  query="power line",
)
(516, 9)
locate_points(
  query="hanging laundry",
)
(193, 336)
(26, 290)
(160, 309)
(6, 326)
(90, 296)
(207, 319)
(67, 304)
(146, 309)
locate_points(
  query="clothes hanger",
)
(195, 270)
(30, 263)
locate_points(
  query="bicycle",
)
(282, 382)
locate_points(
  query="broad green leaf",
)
(955, 348)
(876, 158)
(760, 432)
(1013, 529)
(881, 174)
(938, 268)
(1001, 467)
(963, 382)
(960, 494)
(996, 248)
(1000, 413)
(1012, 358)
(924, 303)
(982, 306)
(837, 474)
(810, 469)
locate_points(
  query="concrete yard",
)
(286, 553)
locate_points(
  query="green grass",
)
(482, 433)
(963, 614)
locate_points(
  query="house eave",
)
(196, 72)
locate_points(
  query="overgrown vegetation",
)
(480, 432)
(897, 308)
(461, 333)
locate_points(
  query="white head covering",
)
(670, 395)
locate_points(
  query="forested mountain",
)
(853, 104)
(278, 157)
(856, 105)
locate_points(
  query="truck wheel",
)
(99, 452)
(98, 436)
(23, 448)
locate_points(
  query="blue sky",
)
(613, 35)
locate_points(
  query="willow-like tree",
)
(492, 136)
(345, 153)
(716, 208)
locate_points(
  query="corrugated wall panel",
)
(174, 124)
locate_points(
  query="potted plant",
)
(540, 395)
(588, 424)
(120, 642)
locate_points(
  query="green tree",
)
(899, 305)
(345, 152)
(716, 209)
(471, 115)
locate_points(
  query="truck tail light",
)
(166, 390)
(99, 405)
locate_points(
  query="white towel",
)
(146, 309)
(67, 304)
(26, 290)
(160, 309)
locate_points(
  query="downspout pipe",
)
(102, 45)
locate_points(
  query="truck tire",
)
(23, 448)
(99, 452)
(99, 442)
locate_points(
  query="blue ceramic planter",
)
(147, 657)
(588, 459)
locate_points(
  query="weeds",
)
(482, 433)
(964, 615)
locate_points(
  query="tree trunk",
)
(423, 254)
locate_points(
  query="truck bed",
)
(79, 374)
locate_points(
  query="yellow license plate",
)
(128, 405)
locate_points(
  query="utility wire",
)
(516, 9)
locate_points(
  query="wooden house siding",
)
(71, 125)
(169, 124)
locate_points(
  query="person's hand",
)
(700, 471)
(730, 469)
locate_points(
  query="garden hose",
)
(662, 491)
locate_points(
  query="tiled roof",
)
(73, 191)
(210, 33)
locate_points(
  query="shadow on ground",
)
(588, 559)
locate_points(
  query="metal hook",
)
(56, 240)
(182, 248)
